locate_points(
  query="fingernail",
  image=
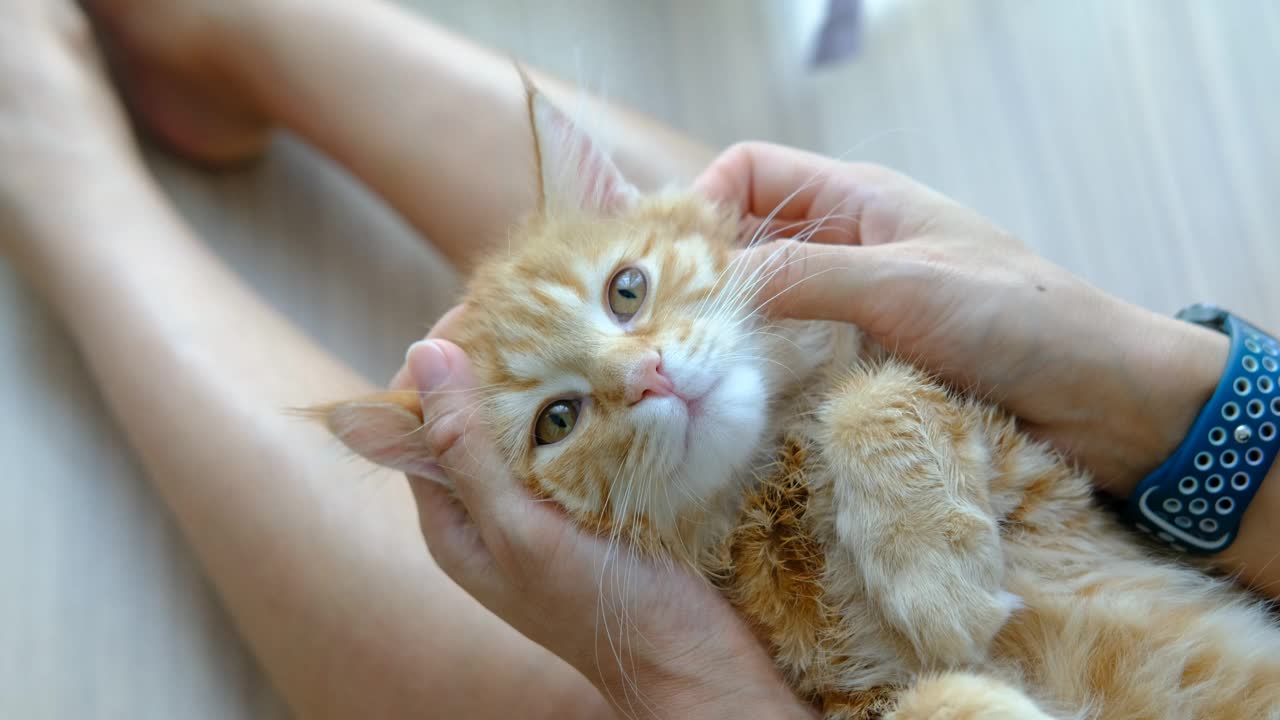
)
(427, 364)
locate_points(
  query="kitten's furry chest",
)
(771, 566)
(778, 564)
(782, 571)
(774, 569)
(1106, 631)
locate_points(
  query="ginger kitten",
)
(904, 551)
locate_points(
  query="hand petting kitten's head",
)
(623, 370)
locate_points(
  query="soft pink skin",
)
(649, 379)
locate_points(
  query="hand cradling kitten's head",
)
(616, 345)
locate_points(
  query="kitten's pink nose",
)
(648, 380)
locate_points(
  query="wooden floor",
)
(1135, 142)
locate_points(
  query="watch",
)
(1195, 501)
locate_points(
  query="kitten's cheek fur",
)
(730, 432)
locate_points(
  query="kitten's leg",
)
(965, 696)
(909, 477)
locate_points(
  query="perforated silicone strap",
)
(1194, 501)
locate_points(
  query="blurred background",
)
(1136, 142)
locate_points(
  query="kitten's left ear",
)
(385, 428)
(574, 173)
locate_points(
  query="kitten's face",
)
(621, 371)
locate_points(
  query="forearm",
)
(318, 557)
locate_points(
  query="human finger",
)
(781, 185)
(809, 281)
(443, 328)
(454, 540)
(457, 437)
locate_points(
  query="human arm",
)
(1110, 384)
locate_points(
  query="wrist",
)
(1250, 557)
(1168, 369)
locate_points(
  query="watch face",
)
(1204, 314)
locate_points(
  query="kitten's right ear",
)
(573, 172)
(384, 427)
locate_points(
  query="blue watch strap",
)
(1195, 501)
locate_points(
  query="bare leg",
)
(331, 584)
(435, 124)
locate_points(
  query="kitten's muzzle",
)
(648, 379)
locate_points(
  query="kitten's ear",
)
(385, 428)
(574, 173)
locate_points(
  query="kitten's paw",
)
(952, 623)
(949, 601)
(964, 696)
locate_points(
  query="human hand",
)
(1108, 383)
(656, 640)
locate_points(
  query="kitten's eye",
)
(556, 421)
(626, 293)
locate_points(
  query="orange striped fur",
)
(904, 551)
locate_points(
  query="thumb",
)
(817, 281)
(456, 435)
(454, 431)
(454, 540)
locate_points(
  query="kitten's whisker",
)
(671, 510)
(765, 223)
(807, 278)
(813, 180)
(749, 297)
(781, 231)
(874, 137)
(470, 411)
(766, 282)
(739, 262)
(732, 287)
(612, 549)
(497, 387)
(455, 470)
(634, 633)
(780, 336)
(794, 375)
(815, 226)
(731, 266)
(748, 293)
(736, 298)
